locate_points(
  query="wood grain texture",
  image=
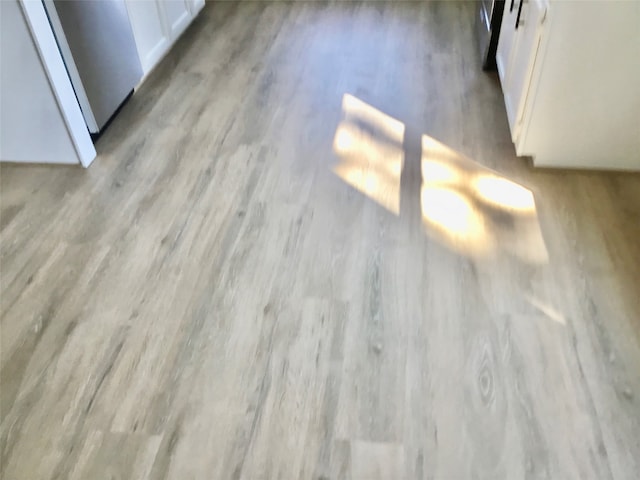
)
(236, 289)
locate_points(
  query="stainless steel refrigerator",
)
(488, 23)
(99, 51)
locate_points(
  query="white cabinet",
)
(195, 6)
(149, 31)
(157, 24)
(507, 31)
(570, 74)
(522, 27)
(178, 16)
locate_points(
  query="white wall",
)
(33, 126)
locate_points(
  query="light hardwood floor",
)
(307, 250)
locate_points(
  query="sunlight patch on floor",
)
(546, 309)
(454, 219)
(504, 193)
(369, 146)
(465, 206)
(499, 215)
(356, 109)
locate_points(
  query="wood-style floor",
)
(307, 250)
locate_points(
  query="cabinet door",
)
(523, 39)
(506, 39)
(177, 16)
(149, 31)
(524, 57)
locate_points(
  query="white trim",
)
(154, 57)
(181, 25)
(195, 6)
(175, 29)
(45, 42)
